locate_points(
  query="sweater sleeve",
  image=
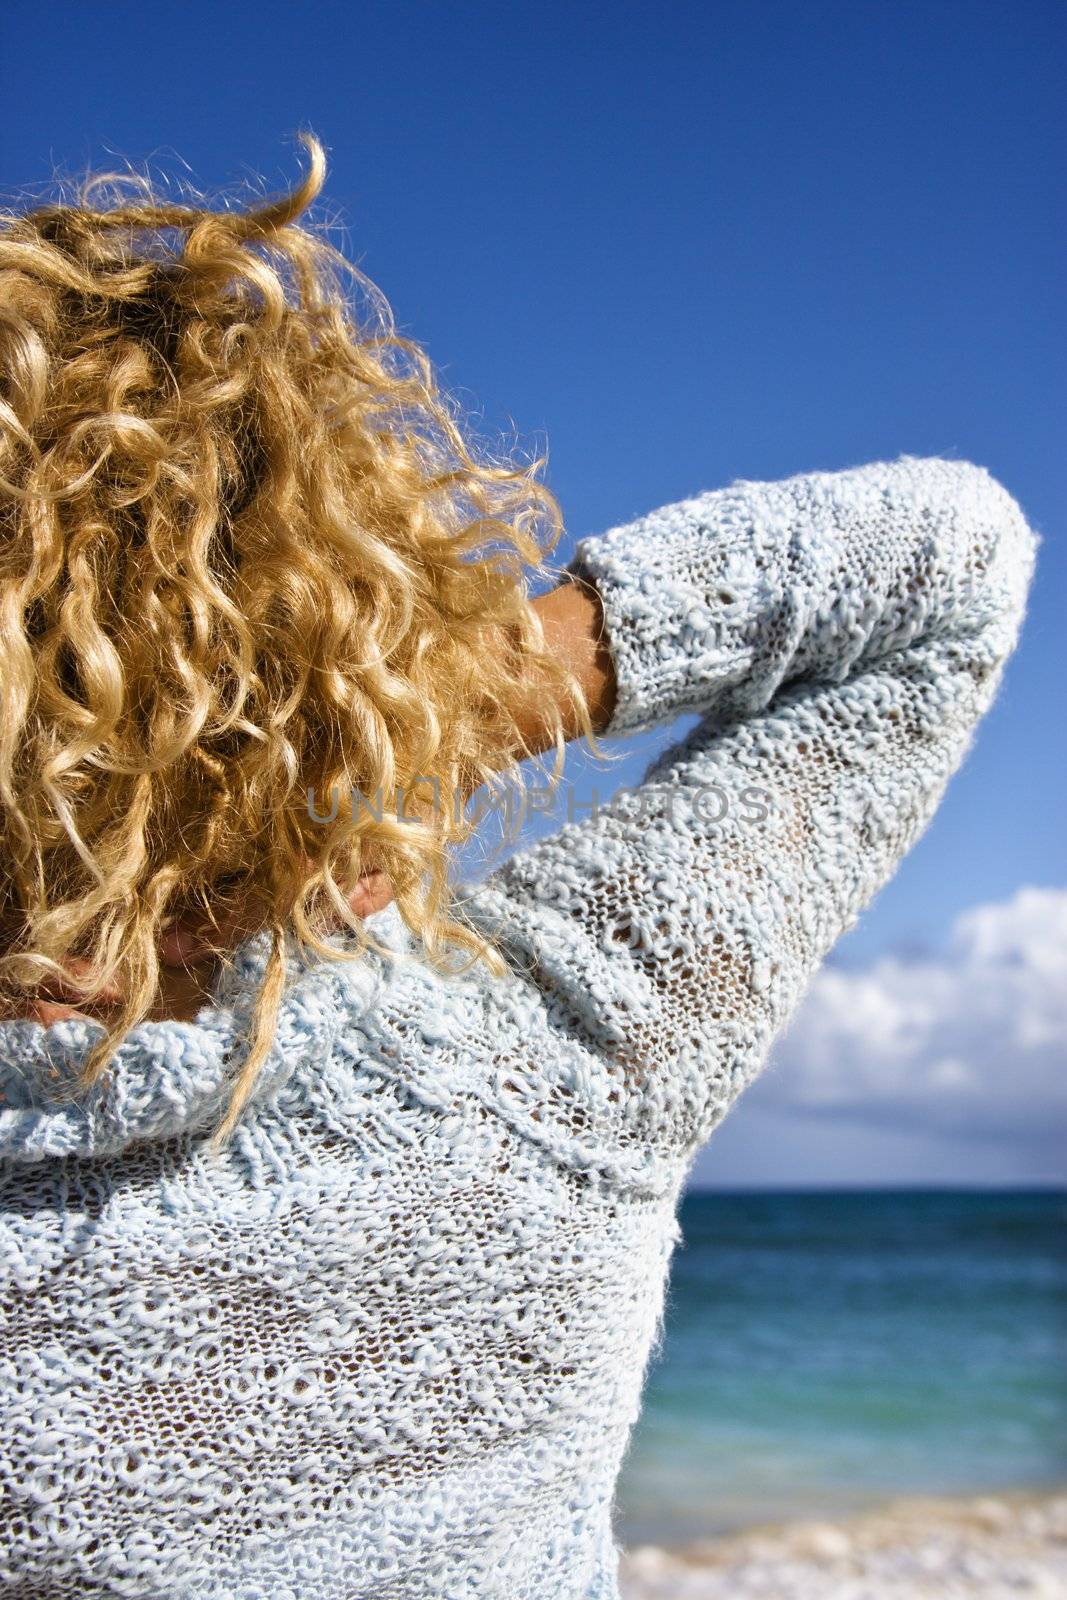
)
(839, 635)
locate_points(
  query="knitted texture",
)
(390, 1343)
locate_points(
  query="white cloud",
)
(967, 1043)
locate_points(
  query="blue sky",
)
(679, 245)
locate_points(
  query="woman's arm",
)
(800, 595)
(840, 636)
(572, 616)
(719, 603)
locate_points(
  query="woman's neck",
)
(183, 993)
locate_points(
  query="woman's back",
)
(382, 1345)
(389, 1341)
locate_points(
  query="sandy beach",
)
(990, 1548)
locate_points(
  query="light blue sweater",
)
(390, 1343)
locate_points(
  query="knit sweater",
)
(389, 1344)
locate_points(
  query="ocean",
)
(825, 1351)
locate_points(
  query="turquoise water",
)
(825, 1351)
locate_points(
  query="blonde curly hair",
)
(247, 555)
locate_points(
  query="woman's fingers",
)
(46, 1012)
(103, 994)
(372, 893)
(79, 967)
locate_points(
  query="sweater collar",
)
(171, 1078)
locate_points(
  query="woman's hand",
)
(52, 1002)
(189, 953)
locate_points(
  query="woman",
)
(332, 1265)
